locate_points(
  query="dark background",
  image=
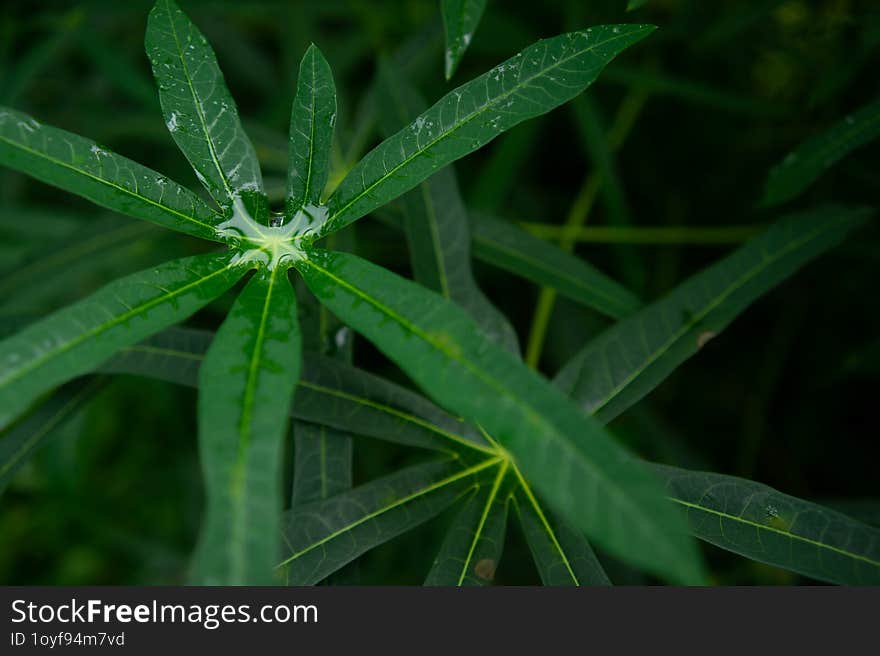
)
(787, 395)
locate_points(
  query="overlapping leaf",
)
(574, 464)
(77, 339)
(460, 21)
(540, 78)
(627, 361)
(436, 221)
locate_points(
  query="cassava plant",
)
(503, 439)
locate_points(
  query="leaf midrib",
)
(448, 133)
(97, 330)
(696, 318)
(549, 431)
(112, 185)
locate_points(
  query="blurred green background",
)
(702, 109)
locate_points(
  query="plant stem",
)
(626, 116)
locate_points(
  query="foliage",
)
(487, 437)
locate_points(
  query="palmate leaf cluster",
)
(500, 441)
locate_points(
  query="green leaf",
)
(245, 387)
(324, 536)
(562, 554)
(460, 21)
(25, 437)
(635, 4)
(572, 461)
(810, 160)
(763, 524)
(199, 111)
(311, 132)
(81, 166)
(510, 248)
(76, 339)
(329, 393)
(623, 364)
(322, 463)
(436, 221)
(472, 549)
(540, 78)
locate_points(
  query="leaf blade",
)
(401, 162)
(763, 524)
(436, 221)
(802, 166)
(510, 248)
(460, 21)
(245, 386)
(76, 164)
(76, 339)
(576, 466)
(199, 111)
(624, 363)
(312, 119)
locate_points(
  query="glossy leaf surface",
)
(245, 387)
(199, 111)
(81, 166)
(540, 78)
(569, 457)
(76, 339)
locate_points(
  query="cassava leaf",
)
(623, 364)
(576, 466)
(540, 78)
(78, 338)
(329, 393)
(311, 132)
(199, 111)
(763, 524)
(810, 160)
(472, 549)
(323, 536)
(322, 463)
(436, 221)
(81, 166)
(510, 248)
(245, 387)
(20, 442)
(562, 554)
(460, 21)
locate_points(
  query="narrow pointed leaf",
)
(460, 21)
(561, 553)
(329, 393)
(245, 387)
(572, 461)
(199, 111)
(472, 549)
(22, 440)
(763, 524)
(513, 249)
(311, 132)
(78, 338)
(436, 221)
(81, 166)
(322, 463)
(810, 160)
(631, 358)
(324, 536)
(540, 78)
